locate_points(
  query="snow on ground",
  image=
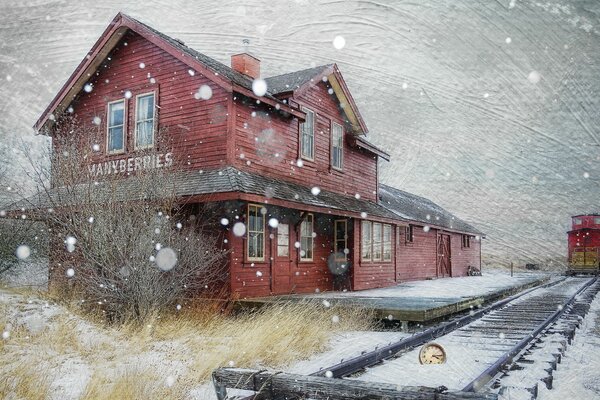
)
(32, 273)
(345, 345)
(468, 286)
(578, 375)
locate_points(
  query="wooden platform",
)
(398, 307)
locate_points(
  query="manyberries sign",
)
(131, 164)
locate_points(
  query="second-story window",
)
(307, 135)
(116, 127)
(144, 121)
(337, 146)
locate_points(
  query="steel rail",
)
(507, 357)
(362, 361)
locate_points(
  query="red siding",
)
(463, 258)
(195, 130)
(417, 260)
(268, 143)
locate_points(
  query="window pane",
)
(256, 235)
(307, 133)
(116, 112)
(115, 138)
(306, 238)
(145, 107)
(336, 145)
(376, 241)
(283, 240)
(387, 242)
(366, 240)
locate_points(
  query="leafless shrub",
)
(121, 236)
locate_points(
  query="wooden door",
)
(443, 256)
(281, 276)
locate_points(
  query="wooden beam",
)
(269, 385)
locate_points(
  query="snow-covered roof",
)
(293, 80)
(419, 209)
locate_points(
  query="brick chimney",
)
(246, 64)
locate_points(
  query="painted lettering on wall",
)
(131, 164)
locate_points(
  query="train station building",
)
(286, 156)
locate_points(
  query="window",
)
(116, 127)
(376, 241)
(307, 135)
(256, 233)
(387, 242)
(366, 241)
(337, 146)
(577, 221)
(144, 121)
(341, 239)
(466, 241)
(409, 234)
(597, 220)
(283, 240)
(306, 239)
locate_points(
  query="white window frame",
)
(366, 227)
(311, 238)
(258, 208)
(123, 126)
(387, 244)
(135, 138)
(310, 157)
(336, 248)
(340, 146)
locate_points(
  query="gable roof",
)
(419, 209)
(291, 81)
(218, 72)
(297, 82)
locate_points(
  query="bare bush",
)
(122, 238)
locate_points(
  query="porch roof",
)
(208, 183)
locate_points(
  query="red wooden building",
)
(292, 164)
(584, 244)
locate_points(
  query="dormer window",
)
(144, 121)
(307, 135)
(116, 127)
(337, 146)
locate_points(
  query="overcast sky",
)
(488, 108)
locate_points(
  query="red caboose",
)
(584, 244)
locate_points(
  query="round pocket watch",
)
(432, 353)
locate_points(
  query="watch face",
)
(432, 353)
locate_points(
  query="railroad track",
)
(501, 350)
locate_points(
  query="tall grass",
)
(133, 360)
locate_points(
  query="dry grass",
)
(25, 379)
(133, 361)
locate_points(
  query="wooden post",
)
(269, 385)
(511, 269)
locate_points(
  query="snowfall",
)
(576, 378)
